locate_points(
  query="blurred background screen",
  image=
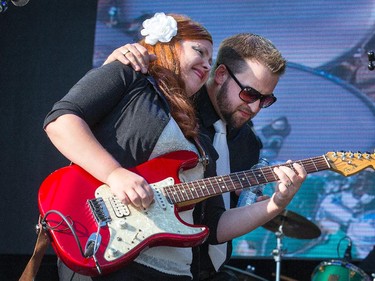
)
(325, 103)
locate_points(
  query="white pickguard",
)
(129, 226)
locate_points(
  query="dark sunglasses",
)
(250, 95)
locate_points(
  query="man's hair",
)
(166, 70)
(235, 49)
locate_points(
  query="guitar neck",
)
(207, 187)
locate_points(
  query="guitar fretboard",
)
(212, 186)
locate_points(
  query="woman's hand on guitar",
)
(130, 188)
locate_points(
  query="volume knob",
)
(122, 223)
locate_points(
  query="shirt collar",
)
(205, 109)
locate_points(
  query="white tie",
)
(221, 146)
(218, 253)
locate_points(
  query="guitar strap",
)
(204, 157)
(33, 265)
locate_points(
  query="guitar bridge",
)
(99, 211)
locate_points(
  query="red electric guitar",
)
(93, 233)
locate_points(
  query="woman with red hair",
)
(115, 118)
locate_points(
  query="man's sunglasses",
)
(250, 95)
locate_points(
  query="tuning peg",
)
(342, 155)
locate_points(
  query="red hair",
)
(167, 72)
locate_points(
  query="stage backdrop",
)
(325, 103)
(46, 46)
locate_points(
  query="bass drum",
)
(338, 270)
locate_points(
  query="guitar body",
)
(84, 218)
(125, 230)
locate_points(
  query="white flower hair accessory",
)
(160, 28)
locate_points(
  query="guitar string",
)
(177, 191)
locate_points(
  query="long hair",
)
(167, 72)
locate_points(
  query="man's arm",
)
(239, 221)
(134, 54)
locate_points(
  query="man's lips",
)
(247, 114)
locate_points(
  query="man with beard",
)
(241, 83)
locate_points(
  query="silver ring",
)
(124, 53)
(289, 184)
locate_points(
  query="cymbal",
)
(293, 225)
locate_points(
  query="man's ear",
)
(221, 74)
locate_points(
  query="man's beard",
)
(226, 111)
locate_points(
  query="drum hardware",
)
(278, 252)
(285, 278)
(348, 251)
(245, 275)
(338, 270)
(291, 225)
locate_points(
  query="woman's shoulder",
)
(119, 68)
(116, 71)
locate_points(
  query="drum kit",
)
(338, 270)
(293, 225)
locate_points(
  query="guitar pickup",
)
(99, 211)
(120, 209)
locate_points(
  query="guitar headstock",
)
(349, 163)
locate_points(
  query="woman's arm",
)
(67, 127)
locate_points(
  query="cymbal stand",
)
(278, 252)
